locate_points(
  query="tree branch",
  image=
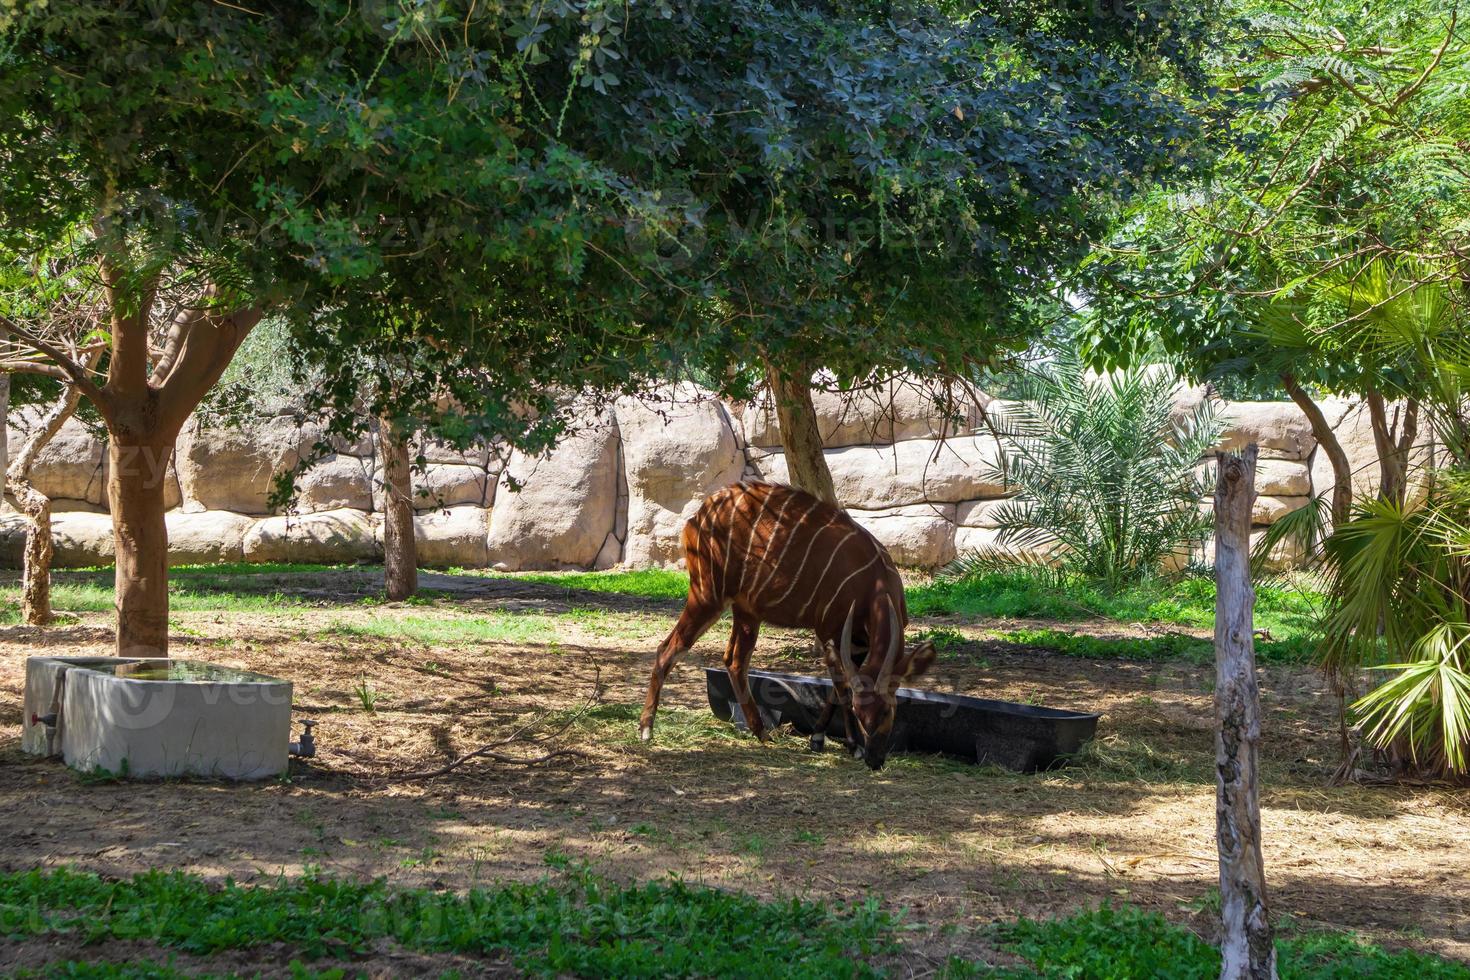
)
(68, 369)
(206, 345)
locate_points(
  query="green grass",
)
(447, 630)
(1285, 611)
(654, 583)
(1167, 646)
(1128, 943)
(574, 924)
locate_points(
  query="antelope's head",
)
(872, 689)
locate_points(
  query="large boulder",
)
(915, 471)
(72, 467)
(334, 482)
(232, 468)
(919, 536)
(676, 451)
(972, 541)
(445, 485)
(213, 536)
(12, 539)
(81, 539)
(564, 510)
(328, 537)
(1279, 429)
(78, 538)
(456, 537)
(980, 513)
(1268, 509)
(904, 407)
(1283, 478)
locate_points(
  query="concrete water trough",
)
(1023, 737)
(152, 718)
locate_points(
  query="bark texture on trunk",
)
(800, 436)
(1247, 945)
(1393, 438)
(36, 577)
(136, 467)
(400, 551)
(1342, 470)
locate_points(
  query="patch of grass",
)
(577, 924)
(1127, 942)
(1168, 646)
(655, 583)
(448, 630)
(1284, 609)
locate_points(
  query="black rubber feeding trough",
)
(1022, 737)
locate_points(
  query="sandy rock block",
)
(564, 510)
(901, 408)
(981, 513)
(334, 482)
(969, 541)
(456, 537)
(327, 537)
(81, 539)
(675, 453)
(919, 536)
(1279, 429)
(232, 468)
(213, 536)
(72, 466)
(915, 471)
(1283, 478)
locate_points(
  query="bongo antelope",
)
(779, 555)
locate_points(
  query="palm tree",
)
(1106, 472)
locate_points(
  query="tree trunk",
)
(36, 579)
(4, 422)
(400, 552)
(1247, 945)
(1393, 440)
(806, 467)
(136, 468)
(1327, 441)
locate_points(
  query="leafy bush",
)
(1105, 470)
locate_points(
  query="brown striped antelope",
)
(778, 555)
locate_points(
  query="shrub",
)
(1106, 473)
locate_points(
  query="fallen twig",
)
(488, 751)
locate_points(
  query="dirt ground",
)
(949, 845)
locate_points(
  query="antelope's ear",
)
(920, 660)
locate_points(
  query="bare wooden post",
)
(1247, 946)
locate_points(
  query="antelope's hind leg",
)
(693, 622)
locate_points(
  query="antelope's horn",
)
(844, 648)
(894, 645)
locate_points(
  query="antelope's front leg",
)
(819, 734)
(743, 635)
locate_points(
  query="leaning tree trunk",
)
(400, 551)
(801, 439)
(1342, 470)
(1247, 945)
(36, 578)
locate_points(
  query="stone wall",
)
(616, 491)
